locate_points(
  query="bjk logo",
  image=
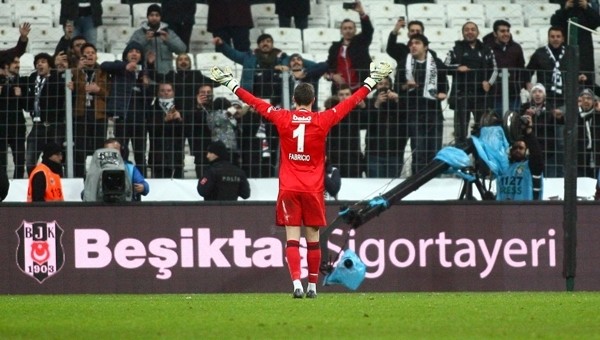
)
(40, 252)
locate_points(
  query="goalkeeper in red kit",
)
(302, 135)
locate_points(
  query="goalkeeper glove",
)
(224, 77)
(379, 71)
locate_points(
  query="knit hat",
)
(153, 8)
(52, 148)
(586, 92)
(538, 86)
(263, 37)
(219, 149)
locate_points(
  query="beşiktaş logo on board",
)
(40, 252)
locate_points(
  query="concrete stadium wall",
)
(205, 248)
(265, 189)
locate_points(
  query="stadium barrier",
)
(227, 248)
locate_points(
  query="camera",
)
(349, 5)
(113, 185)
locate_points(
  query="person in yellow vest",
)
(44, 180)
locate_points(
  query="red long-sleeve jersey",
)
(302, 136)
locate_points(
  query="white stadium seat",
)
(286, 39)
(513, 13)
(319, 15)
(538, 14)
(206, 60)
(139, 12)
(201, 40)
(458, 14)
(201, 16)
(385, 16)
(6, 15)
(318, 40)
(102, 57)
(430, 14)
(116, 14)
(526, 36)
(26, 64)
(44, 39)
(117, 37)
(37, 14)
(264, 15)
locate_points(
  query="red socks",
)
(314, 261)
(292, 253)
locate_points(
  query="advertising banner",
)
(208, 248)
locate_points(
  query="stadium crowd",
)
(154, 97)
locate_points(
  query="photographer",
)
(522, 180)
(156, 37)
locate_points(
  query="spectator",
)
(387, 129)
(198, 126)
(44, 180)
(474, 72)
(158, 39)
(305, 71)
(12, 102)
(72, 55)
(588, 135)
(180, 15)
(548, 126)
(139, 184)
(231, 21)
(223, 126)
(399, 51)
(61, 63)
(298, 9)
(508, 54)
(126, 104)
(21, 47)
(333, 180)
(262, 68)
(258, 145)
(523, 178)
(86, 16)
(221, 180)
(548, 65)
(586, 17)
(90, 89)
(302, 167)
(426, 86)
(349, 58)
(186, 82)
(166, 134)
(343, 143)
(45, 102)
(64, 44)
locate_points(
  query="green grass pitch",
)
(572, 315)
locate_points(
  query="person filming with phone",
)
(349, 58)
(156, 37)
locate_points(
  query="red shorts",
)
(300, 208)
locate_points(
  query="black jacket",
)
(69, 10)
(223, 181)
(358, 50)
(479, 59)
(12, 121)
(52, 98)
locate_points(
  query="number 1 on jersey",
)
(299, 132)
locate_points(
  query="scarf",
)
(431, 76)
(556, 75)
